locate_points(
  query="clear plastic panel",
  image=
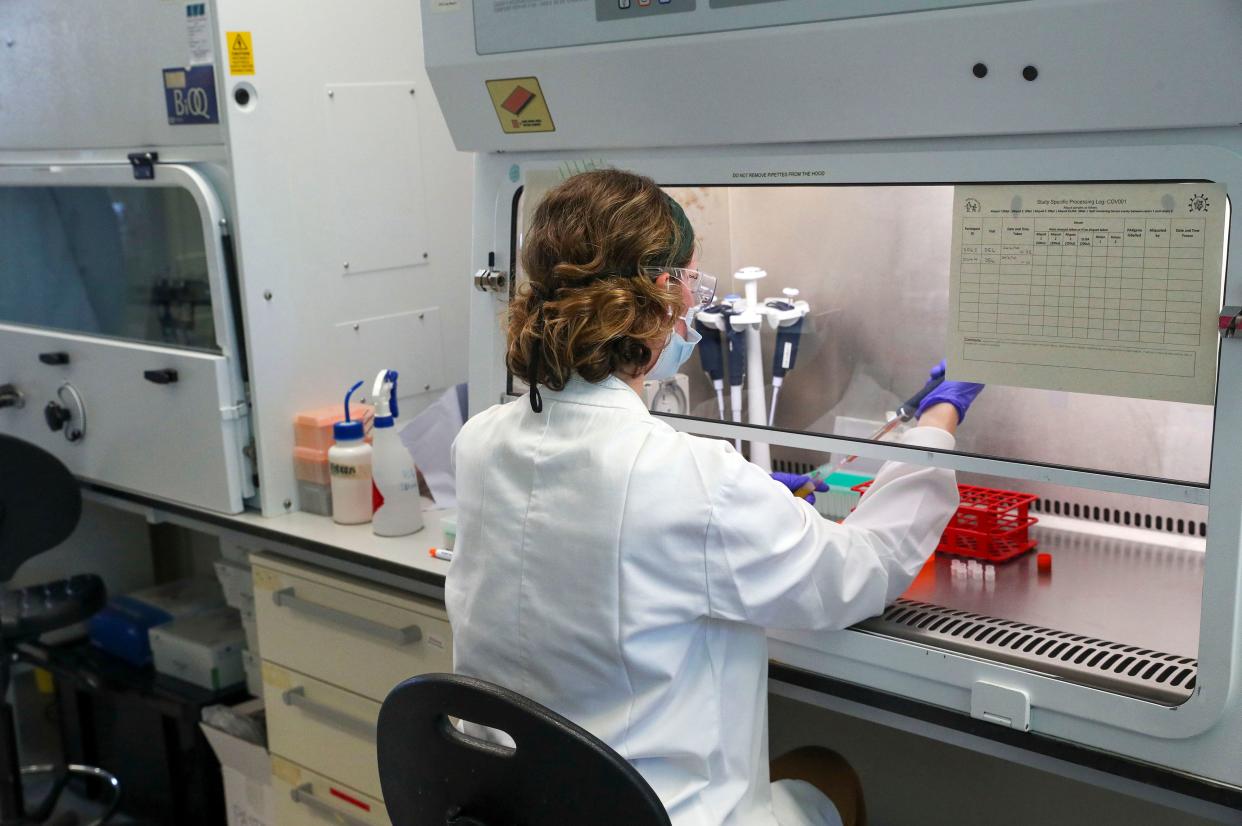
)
(122, 262)
(872, 263)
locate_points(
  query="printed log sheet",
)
(1094, 288)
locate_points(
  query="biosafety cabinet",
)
(1037, 190)
(212, 216)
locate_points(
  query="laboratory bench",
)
(1107, 581)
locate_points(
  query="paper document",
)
(1112, 289)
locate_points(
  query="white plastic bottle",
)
(349, 463)
(397, 509)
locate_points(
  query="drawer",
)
(359, 636)
(322, 727)
(304, 798)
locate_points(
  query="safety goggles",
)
(701, 285)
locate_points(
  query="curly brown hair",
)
(588, 307)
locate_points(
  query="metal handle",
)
(287, 598)
(303, 795)
(297, 698)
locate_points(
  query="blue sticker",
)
(190, 96)
(515, 173)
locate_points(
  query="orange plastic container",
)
(313, 428)
(311, 465)
(991, 525)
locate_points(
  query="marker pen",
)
(441, 553)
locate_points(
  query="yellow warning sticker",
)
(241, 53)
(520, 105)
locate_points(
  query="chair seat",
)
(37, 609)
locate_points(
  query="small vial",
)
(989, 573)
(976, 571)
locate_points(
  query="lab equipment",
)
(448, 525)
(204, 649)
(444, 554)
(990, 524)
(312, 429)
(750, 321)
(397, 508)
(910, 408)
(310, 468)
(349, 461)
(711, 352)
(788, 318)
(123, 626)
(135, 234)
(878, 252)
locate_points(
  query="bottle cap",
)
(348, 431)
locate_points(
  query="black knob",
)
(165, 376)
(54, 358)
(56, 416)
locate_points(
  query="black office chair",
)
(558, 774)
(40, 504)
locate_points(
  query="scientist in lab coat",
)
(623, 573)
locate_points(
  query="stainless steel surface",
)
(1105, 595)
(1115, 589)
(873, 264)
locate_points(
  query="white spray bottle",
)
(395, 504)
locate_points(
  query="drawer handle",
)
(297, 698)
(304, 795)
(398, 636)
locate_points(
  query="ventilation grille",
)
(1125, 669)
(1115, 516)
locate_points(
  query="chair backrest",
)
(40, 503)
(557, 775)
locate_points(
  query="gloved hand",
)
(796, 483)
(960, 394)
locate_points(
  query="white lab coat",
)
(622, 574)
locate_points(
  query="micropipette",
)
(785, 353)
(903, 414)
(711, 354)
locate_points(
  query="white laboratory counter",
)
(401, 561)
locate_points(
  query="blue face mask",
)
(676, 353)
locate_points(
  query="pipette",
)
(785, 353)
(711, 354)
(903, 414)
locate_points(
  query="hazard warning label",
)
(520, 105)
(241, 53)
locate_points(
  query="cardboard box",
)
(204, 649)
(247, 772)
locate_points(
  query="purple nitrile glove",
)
(960, 394)
(796, 482)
